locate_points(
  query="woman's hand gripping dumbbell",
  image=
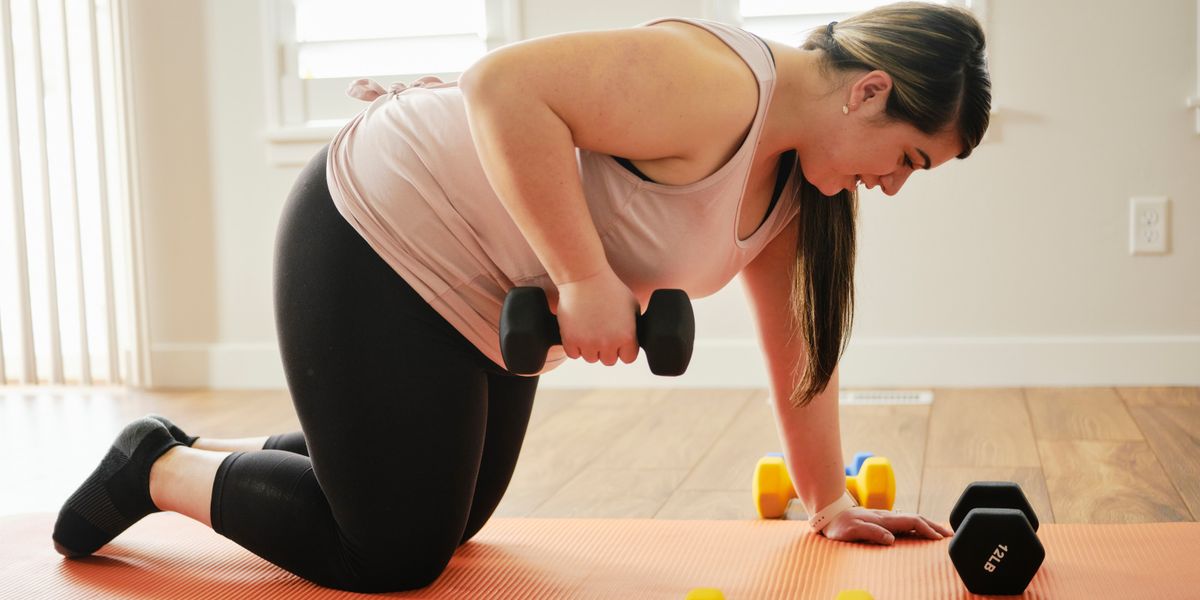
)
(528, 329)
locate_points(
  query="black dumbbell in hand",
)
(995, 548)
(528, 329)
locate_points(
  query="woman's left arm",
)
(811, 435)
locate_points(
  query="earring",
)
(845, 109)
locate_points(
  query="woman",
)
(599, 166)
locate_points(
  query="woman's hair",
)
(935, 56)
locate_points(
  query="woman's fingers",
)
(904, 523)
(873, 533)
(875, 526)
(942, 529)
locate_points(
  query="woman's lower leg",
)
(181, 481)
(230, 444)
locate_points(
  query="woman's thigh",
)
(392, 400)
(510, 402)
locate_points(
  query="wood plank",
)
(1173, 433)
(1160, 396)
(630, 476)
(980, 428)
(548, 402)
(613, 494)
(1108, 482)
(673, 433)
(708, 504)
(942, 487)
(1080, 414)
(221, 413)
(718, 485)
(729, 465)
(565, 443)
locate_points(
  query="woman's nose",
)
(893, 182)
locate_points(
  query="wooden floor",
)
(1083, 455)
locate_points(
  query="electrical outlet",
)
(1149, 224)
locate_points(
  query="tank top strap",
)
(749, 46)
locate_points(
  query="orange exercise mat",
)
(170, 556)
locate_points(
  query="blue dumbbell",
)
(851, 470)
(859, 459)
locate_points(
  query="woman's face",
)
(877, 155)
(866, 147)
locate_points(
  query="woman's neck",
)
(804, 104)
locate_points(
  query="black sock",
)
(176, 432)
(117, 494)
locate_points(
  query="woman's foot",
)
(117, 494)
(176, 432)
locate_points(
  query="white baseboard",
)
(1024, 361)
(879, 362)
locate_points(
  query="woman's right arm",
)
(637, 93)
(528, 155)
(641, 93)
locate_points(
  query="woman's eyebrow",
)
(928, 162)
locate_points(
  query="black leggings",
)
(412, 433)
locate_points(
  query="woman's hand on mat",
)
(597, 318)
(876, 526)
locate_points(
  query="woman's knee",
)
(480, 513)
(395, 575)
(472, 529)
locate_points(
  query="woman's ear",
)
(870, 92)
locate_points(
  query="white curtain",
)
(68, 300)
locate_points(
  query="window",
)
(790, 21)
(315, 48)
(353, 38)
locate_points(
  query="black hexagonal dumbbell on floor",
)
(995, 548)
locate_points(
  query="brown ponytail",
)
(823, 297)
(935, 56)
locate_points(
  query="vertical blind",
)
(65, 244)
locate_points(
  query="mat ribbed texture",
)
(170, 556)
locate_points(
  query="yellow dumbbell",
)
(854, 595)
(875, 484)
(873, 487)
(705, 594)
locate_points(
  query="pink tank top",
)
(405, 174)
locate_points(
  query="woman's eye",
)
(908, 161)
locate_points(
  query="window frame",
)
(292, 138)
(1194, 101)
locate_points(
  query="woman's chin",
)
(831, 190)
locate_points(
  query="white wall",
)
(1010, 268)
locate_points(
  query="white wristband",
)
(826, 515)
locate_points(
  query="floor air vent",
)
(886, 397)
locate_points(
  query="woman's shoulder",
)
(647, 92)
